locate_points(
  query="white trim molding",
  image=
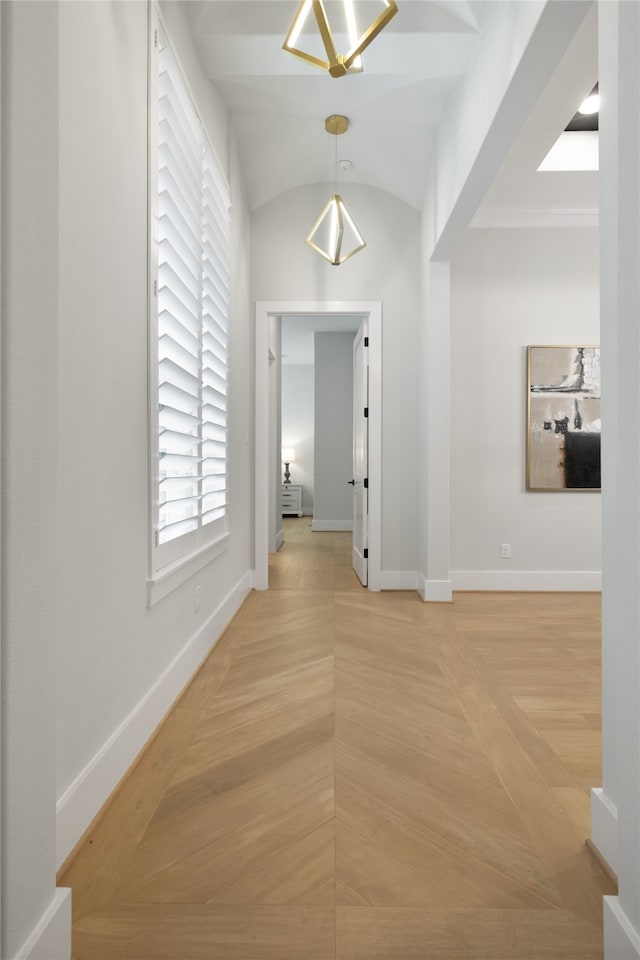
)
(51, 938)
(435, 591)
(175, 574)
(604, 827)
(568, 581)
(621, 939)
(84, 797)
(491, 217)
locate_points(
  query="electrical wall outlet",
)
(505, 551)
(196, 600)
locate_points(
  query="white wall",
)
(518, 49)
(616, 808)
(285, 268)
(511, 288)
(297, 426)
(120, 663)
(333, 360)
(29, 475)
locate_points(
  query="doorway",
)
(316, 399)
(267, 438)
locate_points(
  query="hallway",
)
(361, 776)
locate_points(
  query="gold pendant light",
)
(334, 235)
(336, 64)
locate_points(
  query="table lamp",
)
(288, 456)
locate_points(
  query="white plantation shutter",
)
(192, 242)
(215, 340)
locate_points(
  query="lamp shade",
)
(288, 455)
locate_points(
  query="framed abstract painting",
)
(563, 418)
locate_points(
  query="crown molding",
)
(503, 217)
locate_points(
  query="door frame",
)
(263, 439)
(360, 437)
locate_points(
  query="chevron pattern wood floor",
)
(359, 776)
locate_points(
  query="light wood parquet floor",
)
(360, 776)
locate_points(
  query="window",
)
(190, 321)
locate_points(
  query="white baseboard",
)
(307, 511)
(621, 939)
(604, 826)
(279, 539)
(82, 800)
(528, 580)
(330, 526)
(398, 580)
(51, 937)
(435, 591)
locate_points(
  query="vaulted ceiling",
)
(278, 103)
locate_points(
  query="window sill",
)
(175, 574)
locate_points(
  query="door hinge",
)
(366, 553)
(157, 538)
(155, 288)
(366, 411)
(155, 39)
(366, 483)
(366, 341)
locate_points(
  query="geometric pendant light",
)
(312, 14)
(334, 235)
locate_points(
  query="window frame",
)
(171, 563)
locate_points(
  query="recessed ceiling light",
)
(590, 105)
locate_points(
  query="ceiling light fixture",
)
(334, 235)
(336, 64)
(591, 104)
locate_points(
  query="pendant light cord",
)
(335, 166)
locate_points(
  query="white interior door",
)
(359, 481)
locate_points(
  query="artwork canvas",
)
(563, 422)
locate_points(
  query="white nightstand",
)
(291, 498)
